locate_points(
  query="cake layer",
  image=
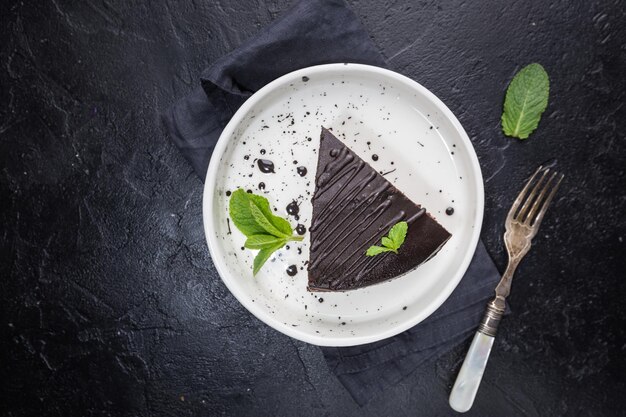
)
(353, 208)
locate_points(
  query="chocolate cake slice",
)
(353, 208)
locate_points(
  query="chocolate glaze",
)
(353, 207)
(265, 165)
(300, 229)
(293, 208)
(302, 171)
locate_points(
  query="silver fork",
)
(522, 224)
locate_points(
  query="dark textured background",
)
(110, 302)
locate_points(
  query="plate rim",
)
(209, 218)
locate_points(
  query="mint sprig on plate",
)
(266, 232)
(526, 99)
(391, 242)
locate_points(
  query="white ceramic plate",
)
(374, 111)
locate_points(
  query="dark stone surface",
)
(110, 303)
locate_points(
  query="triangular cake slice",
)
(353, 208)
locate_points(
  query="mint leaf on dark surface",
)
(391, 242)
(375, 250)
(387, 242)
(526, 99)
(398, 233)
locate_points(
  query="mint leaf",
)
(241, 214)
(263, 241)
(526, 99)
(263, 256)
(263, 221)
(264, 205)
(387, 242)
(375, 250)
(282, 225)
(239, 210)
(398, 234)
(252, 215)
(392, 242)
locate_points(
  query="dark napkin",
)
(311, 33)
(317, 32)
(367, 369)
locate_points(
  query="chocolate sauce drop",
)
(292, 270)
(228, 193)
(375, 157)
(321, 300)
(262, 151)
(261, 186)
(302, 171)
(292, 208)
(300, 229)
(450, 211)
(265, 165)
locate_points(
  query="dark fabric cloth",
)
(317, 32)
(313, 32)
(367, 369)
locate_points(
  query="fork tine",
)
(529, 200)
(520, 196)
(537, 222)
(537, 204)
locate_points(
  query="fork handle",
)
(493, 315)
(471, 373)
(468, 380)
